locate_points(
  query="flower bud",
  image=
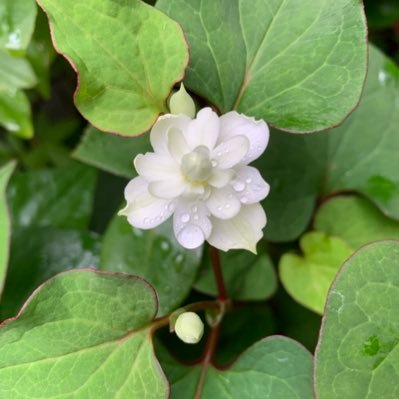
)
(189, 327)
(181, 103)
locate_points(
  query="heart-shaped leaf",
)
(281, 60)
(83, 334)
(128, 56)
(357, 354)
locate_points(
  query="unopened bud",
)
(189, 327)
(181, 103)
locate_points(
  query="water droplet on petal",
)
(227, 206)
(239, 186)
(185, 218)
(248, 181)
(219, 208)
(244, 200)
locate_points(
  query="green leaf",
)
(5, 228)
(59, 197)
(154, 255)
(111, 153)
(274, 368)
(15, 73)
(283, 60)
(247, 277)
(308, 278)
(17, 20)
(355, 220)
(357, 351)
(15, 113)
(83, 335)
(128, 56)
(38, 254)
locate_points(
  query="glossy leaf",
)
(15, 113)
(308, 278)
(15, 73)
(113, 154)
(5, 225)
(154, 255)
(274, 368)
(85, 335)
(17, 20)
(355, 220)
(247, 277)
(38, 254)
(358, 352)
(55, 197)
(128, 56)
(282, 61)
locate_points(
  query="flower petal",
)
(167, 189)
(191, 224)
(159, 132)
(143, 210)
(257, 132)
(230, 152)
(241, 232)
(155, 167)
(249, 185)
(203, 130)
(220, 178)
(223, 203)
(177, 144)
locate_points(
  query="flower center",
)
(196, 166)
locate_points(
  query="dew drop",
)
(165, 245)
(185, 218)
(239, 186)
(244, 200)
(219, 208)
(248, 181)
(227, 206)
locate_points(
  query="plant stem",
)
(217, 271)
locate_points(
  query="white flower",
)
(189, 327)
(199, 173)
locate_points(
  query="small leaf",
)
(154, 255)
(355, 220)
(15, 113)
(128, 56)
(83, 334)
(274, 368)
(15, 73)
(55, 197)
(282, 61)
(111, 153)
(5, 228)
(358, 346)
(308, 278)
(17, 20)
(247, 277)
(38, 254)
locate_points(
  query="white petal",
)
(203, 130)
(143, 210)
(177, 144)
(223, 203)
(241, 232)
(249, 185)
(159, 132)
(191, 224)
(155, 167)
(230, 152)
(220, 178)
(167, 189)
(257, 132)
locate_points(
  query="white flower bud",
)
(181, 103)
(189, 327)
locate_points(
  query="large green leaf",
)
(113, 154)
(298, 64)
(355, 220)
(308, 278)
(357, 354)
(83, 335)
(38, 254)
(55, 197)
(15, 113)
(128, 56)
(17, 20)
(247, 276)
(5, 173)
(154, 255)
(274, 368)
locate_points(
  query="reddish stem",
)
(217, 271)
